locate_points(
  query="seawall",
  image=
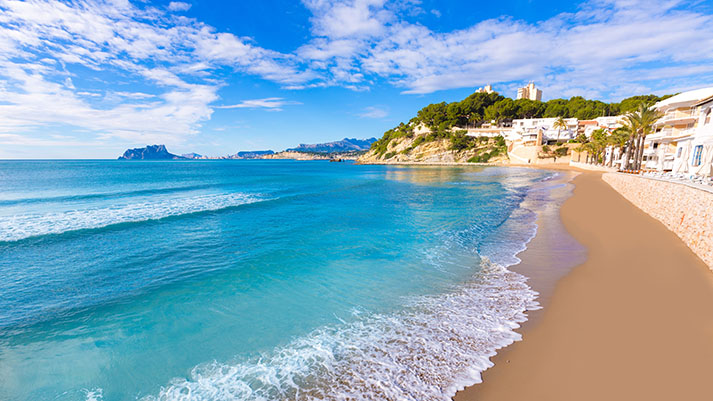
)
(685, 210)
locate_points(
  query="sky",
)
(89, 79)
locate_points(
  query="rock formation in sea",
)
(151, 152)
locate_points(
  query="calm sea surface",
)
(257, 280)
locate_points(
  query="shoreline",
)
(632, 321)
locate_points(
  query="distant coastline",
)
(346, 149)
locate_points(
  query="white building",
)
(678, 125)
(609, 122)
(528, 130)
(694, 153)
(529, 92)
(485, 89)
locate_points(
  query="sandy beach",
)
(633, 322)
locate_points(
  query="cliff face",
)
(415, 150)
(151, 152)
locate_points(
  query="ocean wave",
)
(435, 346)
(17, 227)
(101, 195)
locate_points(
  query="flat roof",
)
(686, 97)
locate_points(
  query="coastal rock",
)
(151, 152)
(417, 149)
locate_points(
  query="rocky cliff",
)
(423, 146)
(151, 152)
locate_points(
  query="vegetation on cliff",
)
(440, 122)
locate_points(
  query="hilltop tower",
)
(529, 92)
(485, 89)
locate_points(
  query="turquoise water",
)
(254, 280)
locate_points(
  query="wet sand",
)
(632, 322)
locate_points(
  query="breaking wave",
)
(428, 351)
(17, 227)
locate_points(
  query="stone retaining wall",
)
(686, 211)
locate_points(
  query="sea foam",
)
(430, 349)
(17, 227)
(433, 347)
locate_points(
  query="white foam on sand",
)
(435, 346)
(17, 227)
(432, 348)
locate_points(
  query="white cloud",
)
(162, 72)
(339, 19)
(176, 57)
(604, 47)
(270, 103)
(179, 6)
(374, 112)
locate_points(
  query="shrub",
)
(563, 151)
(461, 141)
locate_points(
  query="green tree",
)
(617, 140)
(527, 108)
(556, 108)
(501, 110)
(641, 123)
(559, 124)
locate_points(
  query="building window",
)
(678, 153)
(697, 152)
(708, 117)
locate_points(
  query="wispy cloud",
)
(177, 57)
(374, 112)
(607, 49)
(270, 103)
(179, 6)
(601, 49)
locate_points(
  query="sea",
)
(259, 279)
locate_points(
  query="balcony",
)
(668, 134)
(677, 117)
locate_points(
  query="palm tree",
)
(617, 140)
(632, 127)
(640, 123)
(560, 124)
(647, 116)
(598, 142)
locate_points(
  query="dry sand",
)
(633, 322)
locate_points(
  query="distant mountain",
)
(192, 156)
(151, 152)
(251, 154)
(345, 145)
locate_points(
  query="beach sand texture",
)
(633, 322)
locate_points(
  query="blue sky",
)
(89, 79)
